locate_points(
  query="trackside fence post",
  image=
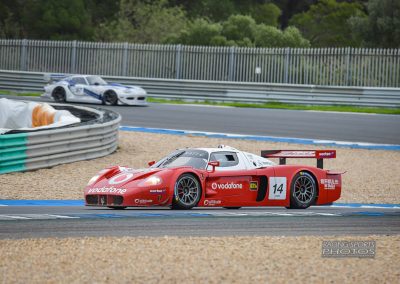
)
(231, 71)
(125, 59)
(73, 57)
(286, 72)
(178, 61)
(24, 44)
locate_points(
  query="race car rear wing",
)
(50, 78)
(320, 155)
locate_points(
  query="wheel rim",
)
(187, 190)
(59, 95)
(110, 99)
(304, 189)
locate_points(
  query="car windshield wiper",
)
(171, 158)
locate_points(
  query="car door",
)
(83, 92)
(77, 85)
(231, 182)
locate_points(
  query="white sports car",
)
(92, 89)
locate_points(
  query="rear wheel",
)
(58, 95)
(303, 191)
(187, 192)
(110, 98)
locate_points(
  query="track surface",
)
(69, 221)
(384, 129)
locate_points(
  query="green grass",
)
(278, 105)
(273, 105)
(22, 94)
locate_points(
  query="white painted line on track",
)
(63, 216)
(11, 217)
(34, 217)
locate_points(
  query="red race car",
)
(218, 177)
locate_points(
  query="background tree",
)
(290, 8)
(10, 26)
(267, 13)
(268, 36)
(382, 26)
(327, 23)
(56, 19)
(240, 29)
(144, 22)
(200, 32)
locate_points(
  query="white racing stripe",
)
(34, 217)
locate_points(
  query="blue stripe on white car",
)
(92, 94)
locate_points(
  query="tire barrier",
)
(95, 136)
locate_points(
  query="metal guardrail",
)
(230, 91)
(311, 66)
(48, 148)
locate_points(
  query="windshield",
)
(189, 157)
(96, 80)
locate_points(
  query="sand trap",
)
(193, 260)
(372, 176)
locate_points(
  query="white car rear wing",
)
(320, 155)
(50, 78)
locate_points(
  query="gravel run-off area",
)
(193, 260)
(372, 176)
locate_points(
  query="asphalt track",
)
(76, 221)
(370, 128)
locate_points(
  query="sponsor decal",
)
(297, 153)
(326, 154)
(228, 185)
(212, 202)
(158, 191)
(107, 190)
(329, 183)
(143, 201)
(120, 178)
(254, 185)
(277, 188)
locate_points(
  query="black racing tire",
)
(187, 192)
(59, 95)
(117, 207)
(110, 98)
(232, 208)
(303, 191)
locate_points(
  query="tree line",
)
(248, 23)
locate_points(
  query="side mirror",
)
(213, 164)
(97, 84)
(151, 163)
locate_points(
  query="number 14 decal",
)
(277, 188)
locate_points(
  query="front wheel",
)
(303, 191)
(187, 192)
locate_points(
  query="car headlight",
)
(93, 180)
(127, 91)
(153, 180)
